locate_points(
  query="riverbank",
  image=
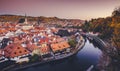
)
(59, 57)
(107, 47)
(112, 57)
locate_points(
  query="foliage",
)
(109, 28)
(72, 42)
(86, 26)
(34, 58)
(63, 33)
(116, 37)
(58, 25)
(116, 12)
(15, 18)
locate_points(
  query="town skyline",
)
(72, 9)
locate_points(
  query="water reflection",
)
(96, 44)
(90, 54)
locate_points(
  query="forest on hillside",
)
(109, 28)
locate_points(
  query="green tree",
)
(34, 58)
(116, 12)
(72, 43)
(116, 36)
(86, 26)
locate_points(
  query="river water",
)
(88, 57)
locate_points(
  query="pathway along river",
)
(89, 58)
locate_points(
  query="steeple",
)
(26, 19)
(25, 15)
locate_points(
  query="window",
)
(59, 46)
(14, 52)
(63, 45)
(18, 47)
(11, 47)
(20, 51)
(25, 50)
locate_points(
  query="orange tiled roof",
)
(31, 47)
(14, 50)
(3, 31)
(17, 40)
(60, 46)
(44, 40)
(45, 50)
(12, 29)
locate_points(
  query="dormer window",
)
(63, 45)
(59, 46)
(18, 47)
(25, 50)
(14, 52)
(11, 47)
(20, 51)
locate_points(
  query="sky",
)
(69, 9)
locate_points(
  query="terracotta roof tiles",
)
(14, 50)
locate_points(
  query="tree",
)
(34, 58)
(72, 42)
(116, 36)
(86, 26)
(116, 12)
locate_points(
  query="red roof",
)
(44, 40)
(14, 50)
(1, 53)
(60, 46)
(45, 50)
(31, 47)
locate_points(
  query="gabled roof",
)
(14, 50)
(59, 46)
(44, 50)
(44, 40)
(3, 31)
(31, 47)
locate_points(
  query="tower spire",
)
(26, 19)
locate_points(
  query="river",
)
(88, 57)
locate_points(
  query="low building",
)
(15, 51)
(1, 54)
(27, 27)
(44, 50)
(33, 48)
(59, 46)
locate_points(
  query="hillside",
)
(109, 28)
(13, 18)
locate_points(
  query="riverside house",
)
(1, 55)
(60, 46)
(15, 51)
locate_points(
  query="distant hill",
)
(109, 28)
(14, 18)
(11, 18)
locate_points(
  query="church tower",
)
(26, 22)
